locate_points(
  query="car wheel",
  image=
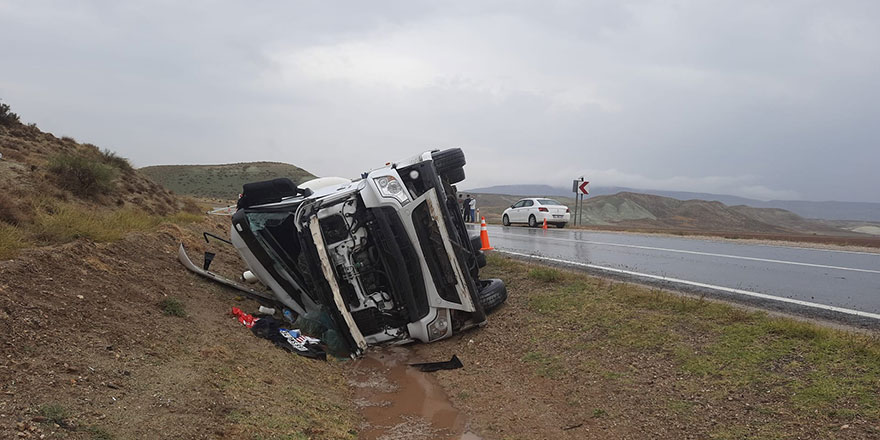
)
(532, 221)
(560, 225)
(446, 161)
(492, 294)
(505, 220)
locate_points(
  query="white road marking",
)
(702, 285)
(698, 238)
(708, 254)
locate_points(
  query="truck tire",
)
(454, 176)
(492, 294)
(448, 160)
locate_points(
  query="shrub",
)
(6, 116)
(83, 176)
(55, 413)
(110, 158)
(172, 307)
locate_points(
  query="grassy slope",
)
(616, 360)
(221, 181)
(54, 191)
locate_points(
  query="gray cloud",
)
(766, 100)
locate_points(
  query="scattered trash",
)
(428, 367)
(288, 315)
(266, 310)
(209, 257)
(290, 340)
(249, 277)
(243, 317)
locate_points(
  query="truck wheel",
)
(492, 294)
(454, 176)
(446, 161)
(505, 220)
(532, 222)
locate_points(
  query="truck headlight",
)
(390, 187)
(438, 327)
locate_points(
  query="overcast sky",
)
(767, 99)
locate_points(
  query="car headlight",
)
(390, 187)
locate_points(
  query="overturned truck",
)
(384, 259)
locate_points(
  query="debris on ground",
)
(267, 327)
(244, 318)
(428, 367)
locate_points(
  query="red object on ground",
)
(243, 317)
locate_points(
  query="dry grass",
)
(57, 222)
(11, 241)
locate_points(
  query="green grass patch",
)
(791, 368)
(545, 274)
(545, 365)
(54, 413)
(172, 307)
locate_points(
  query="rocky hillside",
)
(54, 190)
(221, 181)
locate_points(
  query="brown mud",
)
(401, 402)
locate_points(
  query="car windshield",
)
(549, 202)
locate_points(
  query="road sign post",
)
(580, 188)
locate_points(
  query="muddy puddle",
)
(401, 402)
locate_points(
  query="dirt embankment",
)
(87, 352)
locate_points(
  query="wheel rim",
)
(532, 221)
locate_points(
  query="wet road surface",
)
(822, 280)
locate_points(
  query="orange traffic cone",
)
(484, 235)
(545, 223)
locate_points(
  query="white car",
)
(533, 211)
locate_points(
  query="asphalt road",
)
(821, 282)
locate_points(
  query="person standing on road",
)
(467, 208)
(461, 203)
(474, 209)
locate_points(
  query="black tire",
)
(446, 161)
(505, 220)
(481, 259)
(492, 294)
(560, 225)
(532, 221)
(454, 176)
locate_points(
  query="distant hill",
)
(864, 211)
(646, 211)
(221, 181)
